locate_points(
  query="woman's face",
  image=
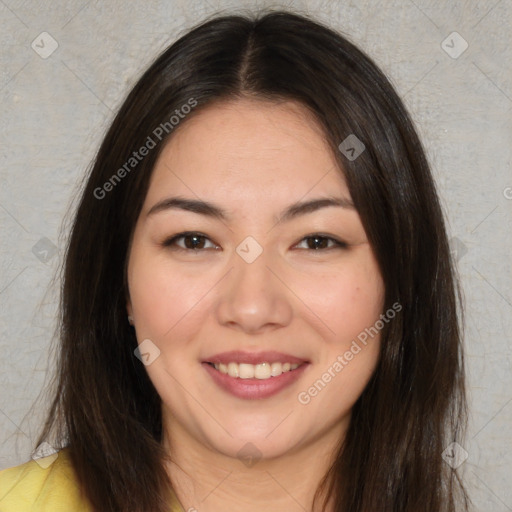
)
(260, 280)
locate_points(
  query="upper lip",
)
(238, 356)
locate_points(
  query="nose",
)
(254, 297)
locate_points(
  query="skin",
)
(252, 158)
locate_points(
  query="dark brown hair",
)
(106, 409)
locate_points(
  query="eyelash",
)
(171, 242)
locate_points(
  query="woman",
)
(259, 310)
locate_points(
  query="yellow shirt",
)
(48, 485)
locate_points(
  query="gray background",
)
(55, 110)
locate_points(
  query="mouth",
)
(254, 376)
(261, 371)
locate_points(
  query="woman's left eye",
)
(193, 241)
(316, 242)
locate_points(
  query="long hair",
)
(105, 408)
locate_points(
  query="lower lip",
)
(253, 389)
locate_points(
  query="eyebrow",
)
(211, 210)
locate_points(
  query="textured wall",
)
(66, 66)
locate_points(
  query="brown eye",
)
(316, 242)
(192, 241)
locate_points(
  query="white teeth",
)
(260, 371)
(276, 369)
(246, 371)
(233, 370)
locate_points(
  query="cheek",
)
(347, 300)
(163, 298)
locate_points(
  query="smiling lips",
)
(254, 375)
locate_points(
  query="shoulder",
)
(45, 485)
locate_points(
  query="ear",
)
(129, 309)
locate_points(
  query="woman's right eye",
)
(192, 241)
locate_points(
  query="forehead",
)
(248, 150)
